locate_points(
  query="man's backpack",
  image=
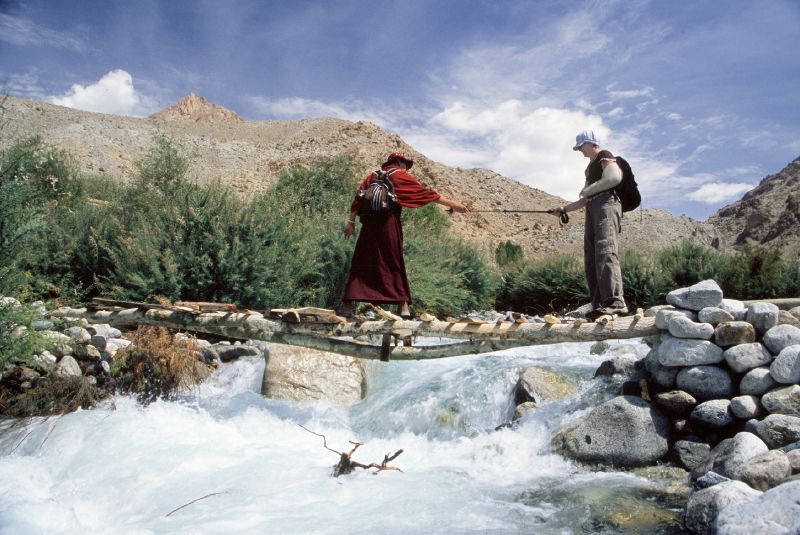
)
(628, 189)
(378, 198)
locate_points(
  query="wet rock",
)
(786, 367)
(523, 408)
(746, 407)
(784, 400)
(780, 337)
(675, 402)
(705, 505)
(624, 431)
(663, 376)
(715, 413)
(682, 352)
(733, 333)
(539, 384)
(598, 348)
(763, 316)
(757, 381)
(705, 382)
(683, 327)
(228, 353)
(68, 367)
(775, 512)
(620, 365)
(301, 374)
(767, 470)
(778, 430)
(709, 479)
(706, 293)
(690, 452)
(714, 316)
(745, 357)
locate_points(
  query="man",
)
(378, 270)
(603, 222)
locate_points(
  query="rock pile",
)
(719, 394)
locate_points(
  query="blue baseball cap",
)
(587, 136)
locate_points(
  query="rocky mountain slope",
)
(248, 155)
(768, 215)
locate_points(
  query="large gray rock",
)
(231, 352)
(731, 333)
(302, 374)
(663, 376)
(784, 400)
(104, 329)
(756, 382)
(780, 337)
(763, 316)
(62, 344)
(715, 413)
(683, 327)
(705, 382)
(68, 367)
(665, 313)
(745, 357)
(714, 316)
(778, 430)
(706, 293)
(540, 384)
(786, 367)
(784, 318)
(675, 402)
(746, 407)
(625, 431)
(683, 352)
(690, 453)
(775, 512)
(704, 506)
(767, 470)
(729, 456)
(625, 364)
(735, 308)
(78, 334)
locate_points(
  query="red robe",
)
(378, 270)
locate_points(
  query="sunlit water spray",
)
(123, 468)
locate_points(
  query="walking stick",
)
(564, 218)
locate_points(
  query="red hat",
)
(399, 156)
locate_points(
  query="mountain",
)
(768, 215)
(197, 109)
(249, 155)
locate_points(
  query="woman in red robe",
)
(378, 270)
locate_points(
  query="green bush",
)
(18, 341)
(554, 284)
(508, 253)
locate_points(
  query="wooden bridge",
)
(321, 329)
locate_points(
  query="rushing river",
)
(124, 469)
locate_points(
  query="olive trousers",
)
(600, 256)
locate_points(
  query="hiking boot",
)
(610, 311)
(582, 311)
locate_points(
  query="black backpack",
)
(628, 189)
(378, 198)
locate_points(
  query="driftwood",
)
(346, 464)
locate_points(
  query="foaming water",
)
(122, 468)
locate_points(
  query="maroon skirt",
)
(378, 271)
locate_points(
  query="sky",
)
(700, 96)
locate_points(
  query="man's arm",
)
(612, 176)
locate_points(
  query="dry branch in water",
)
(346, 464)
(194, 501)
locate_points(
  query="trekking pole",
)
(564, 218)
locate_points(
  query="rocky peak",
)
(197, 109)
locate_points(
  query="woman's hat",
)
(399, 156)
(587, 136)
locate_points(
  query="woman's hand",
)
(349, 229)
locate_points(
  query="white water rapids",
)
(122, 468)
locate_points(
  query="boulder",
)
(625, 431)
(230, 352)
(302, 374)
(767, 470)
(727, 457)
(78, 334)
(746, 407)
(778, 430)
(523, 408)
(735, 308)
(745, 357)
(731, 333)
(762, 316)
(786, 367)
(780, 337)
(690, 452)
(104, 329)
(683, 327)
(664, 314)
(540, 384)
(714, 316)
(683, 352)
(715, 413)
(704, 506)
(775, 512)
(706, 293)
(663, 376)
(785, 400)
(784, 318)
(68, 367)
(62, 344)
(625, 364)
(675, 402)
(757, 381)
(705, 382)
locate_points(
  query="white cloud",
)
(631, 93)
(114, 93)
(26, 85)
(301, 108)
(22, 32)
(717, 192)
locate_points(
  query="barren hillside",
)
(248, 155)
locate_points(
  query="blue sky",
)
(700, 96)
